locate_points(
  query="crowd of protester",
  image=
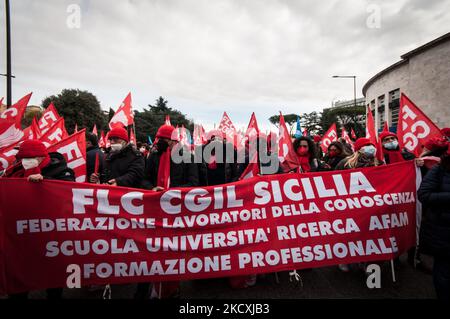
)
(152, 167)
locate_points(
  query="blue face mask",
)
(369, 151)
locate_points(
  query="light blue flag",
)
(149, 140)
(298, 131)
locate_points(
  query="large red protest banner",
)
(259, 225)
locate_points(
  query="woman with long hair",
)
(364, 156)
(306, 152)
(336, 152)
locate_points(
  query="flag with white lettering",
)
(414, 127)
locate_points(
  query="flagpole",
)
(8, 55)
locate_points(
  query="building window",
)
(381, 111)
(394, 107)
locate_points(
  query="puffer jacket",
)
(434, 192)
(125, 166)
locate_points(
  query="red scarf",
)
(213, 164)
(163, 179)
(37, 170)
(304, 163)
(394, 156)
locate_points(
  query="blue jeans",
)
(441, 278)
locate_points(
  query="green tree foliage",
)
(78, 107)
(150, 119)
(349, 117)
(309, 121)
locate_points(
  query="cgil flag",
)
(124, 114)
(11, 123)
(414, 127)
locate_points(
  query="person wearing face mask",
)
(162, 173)
(36, 164)
(124, 165)
(336, 153)
(364, 156)
(307, 155)
(391, 149)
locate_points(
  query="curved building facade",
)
(423, 74)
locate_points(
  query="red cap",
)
(32, 148)
(118, 132)
(446, 131)
(385, 134)
(436, 143)
(166, 131)
(361, 142)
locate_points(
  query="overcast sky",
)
(206, 57)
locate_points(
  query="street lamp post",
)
(8, 55)
(354, 84)
(354, 88)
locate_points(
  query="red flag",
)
(345, 136)
(371, 133)
(252, 169)
(354, 137)
(199, 135)
(96, 163)
(227, 128)
(414, 127)
(286, 153)
(124, 115)
(107, 142)
(330, 136)
(55, 134)
(10, 122)
(132, 137)
(73, 148)
(48, 118)
(32, 132)
(184, 138)
(305, 132)
(8, 156)
(167, 122)
(252, 129)
(94, 130)
(101, 141)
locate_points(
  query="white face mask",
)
(369, 151)
(29, 163)
(116, 147)
(391, 145)
(142, 149)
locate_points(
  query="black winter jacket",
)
(91, 153)
(125, 166)
(57, 169)
(434, 192)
